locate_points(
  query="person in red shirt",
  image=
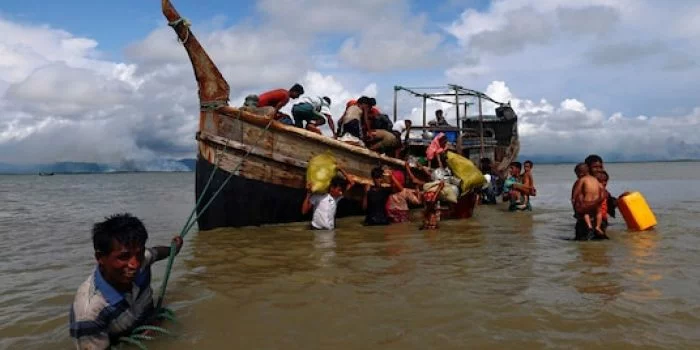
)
(279, 98)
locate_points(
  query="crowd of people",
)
(361, 124)
(386, 201)
(117, 296)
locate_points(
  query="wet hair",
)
(602, 176)
(338, 181)
(364, 100)
(592, 159)
(377, 173)
(126, 229)
(528, 162)
(327, 99)
(517, 165)
(579, 167)
(297, 88)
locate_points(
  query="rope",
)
(187, 25)
(137, 335)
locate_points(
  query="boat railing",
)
(488, 133)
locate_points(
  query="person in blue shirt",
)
(117, 296)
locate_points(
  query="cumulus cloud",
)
(62, 101)
(624, 52)
(588, 20)
(572, 129)
(509, 27)
(379, 35)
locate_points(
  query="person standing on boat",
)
(315, 110)
(279, 98)
(117, 296)
(325, 205)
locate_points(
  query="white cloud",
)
(378, 35)
(393, 43)
(62, 101)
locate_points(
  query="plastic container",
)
(636, 212)
(451, 136)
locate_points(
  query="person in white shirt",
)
(403, 128)
(324, 205)
(315, 110)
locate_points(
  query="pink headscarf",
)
(435, 147)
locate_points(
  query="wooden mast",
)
(213, 88)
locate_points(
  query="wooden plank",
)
(256, 167)
(257, 151)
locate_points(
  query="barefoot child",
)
(603, 177)
(580, 170)
(587, 201)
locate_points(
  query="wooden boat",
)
(265, 159)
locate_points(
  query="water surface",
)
(499, 280)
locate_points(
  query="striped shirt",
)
(100, 314)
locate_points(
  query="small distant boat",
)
(46, 174)
(269, 185)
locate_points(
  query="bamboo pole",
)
(424, 112)
(481, 130)
(396, 92)
(459, 133)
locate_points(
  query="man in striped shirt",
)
(117, 296)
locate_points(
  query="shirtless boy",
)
(587, 199)
(580, 170)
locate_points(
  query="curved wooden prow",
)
(213, 88)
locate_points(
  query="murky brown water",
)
(499, 280)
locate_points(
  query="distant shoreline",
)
(105, 172)
(192, 170)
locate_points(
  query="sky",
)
(108, 82)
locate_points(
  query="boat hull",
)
(249, 202)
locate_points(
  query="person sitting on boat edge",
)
(325, 205)
(439, 120)
(315, 111)
(351, 123)
(279, 98)
(117, 296)
(381, 138)
(375, 198)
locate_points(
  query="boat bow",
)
(213, 88)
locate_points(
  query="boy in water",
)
(117, 297)
(587, 198)
(603, 177)
(325, 205)
(580, 170)
(528, 180)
